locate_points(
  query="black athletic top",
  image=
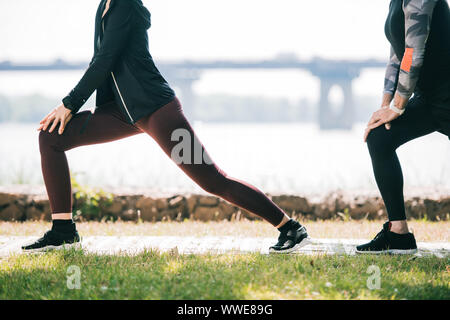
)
(122, 69)
(419, 33)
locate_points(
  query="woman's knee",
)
(49, 141)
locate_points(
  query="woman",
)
(133, 98)
(419, 33)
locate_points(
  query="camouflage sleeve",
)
(391, 76)
(417, 28)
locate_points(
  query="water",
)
(278, 158)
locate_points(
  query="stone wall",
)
(21, 207)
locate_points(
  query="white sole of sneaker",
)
(299, 245)
(390, 251)
(66, 246)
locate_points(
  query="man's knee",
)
(379, 141)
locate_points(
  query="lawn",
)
(152, 275)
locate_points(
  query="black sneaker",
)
(53, 240)
(389, 242)
(293, 236)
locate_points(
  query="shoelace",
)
(380, 237)
(47, 236)
(283, 237)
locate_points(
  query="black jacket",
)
(122, 69)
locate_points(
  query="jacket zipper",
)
(117, 86)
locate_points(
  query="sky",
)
(206, 30)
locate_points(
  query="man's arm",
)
(391, 75)
(418, 15)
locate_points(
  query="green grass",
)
(152, 275)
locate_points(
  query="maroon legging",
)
(108, 124)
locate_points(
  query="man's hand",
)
(385, 115)
(60, 115)
(380, 117)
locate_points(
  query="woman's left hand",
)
(60, 115)
(380, 117)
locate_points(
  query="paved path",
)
(215, 245)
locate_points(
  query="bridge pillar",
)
(328, 118)
(187, 96)
(183, 80)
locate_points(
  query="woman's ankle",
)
(62, 216)
(283, 221)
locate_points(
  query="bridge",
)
(183, 74)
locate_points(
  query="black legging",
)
(416, 122)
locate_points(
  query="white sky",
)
(208, 29)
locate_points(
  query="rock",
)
(208, 201)
(415, 208)
(12, 212)
(170, 214)
(130, 207)
(115, 208)
(129, 201)
(323, 211)
(34, 213)
(191, 202)
(208, 214)
(227, 210)
(129, 215)
(39, 209)
(437, 209)
(161, 204)
(7, 198)
(365, 208)
(148, 209)
(292, 204)
(244, 214)
(176, 201)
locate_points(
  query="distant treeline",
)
(218, 107)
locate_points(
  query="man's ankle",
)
(399, 227)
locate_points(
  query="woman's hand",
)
(60, 115)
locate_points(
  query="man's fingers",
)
(375, 125)
(370, 128)
(374, 119)
(387, 125)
